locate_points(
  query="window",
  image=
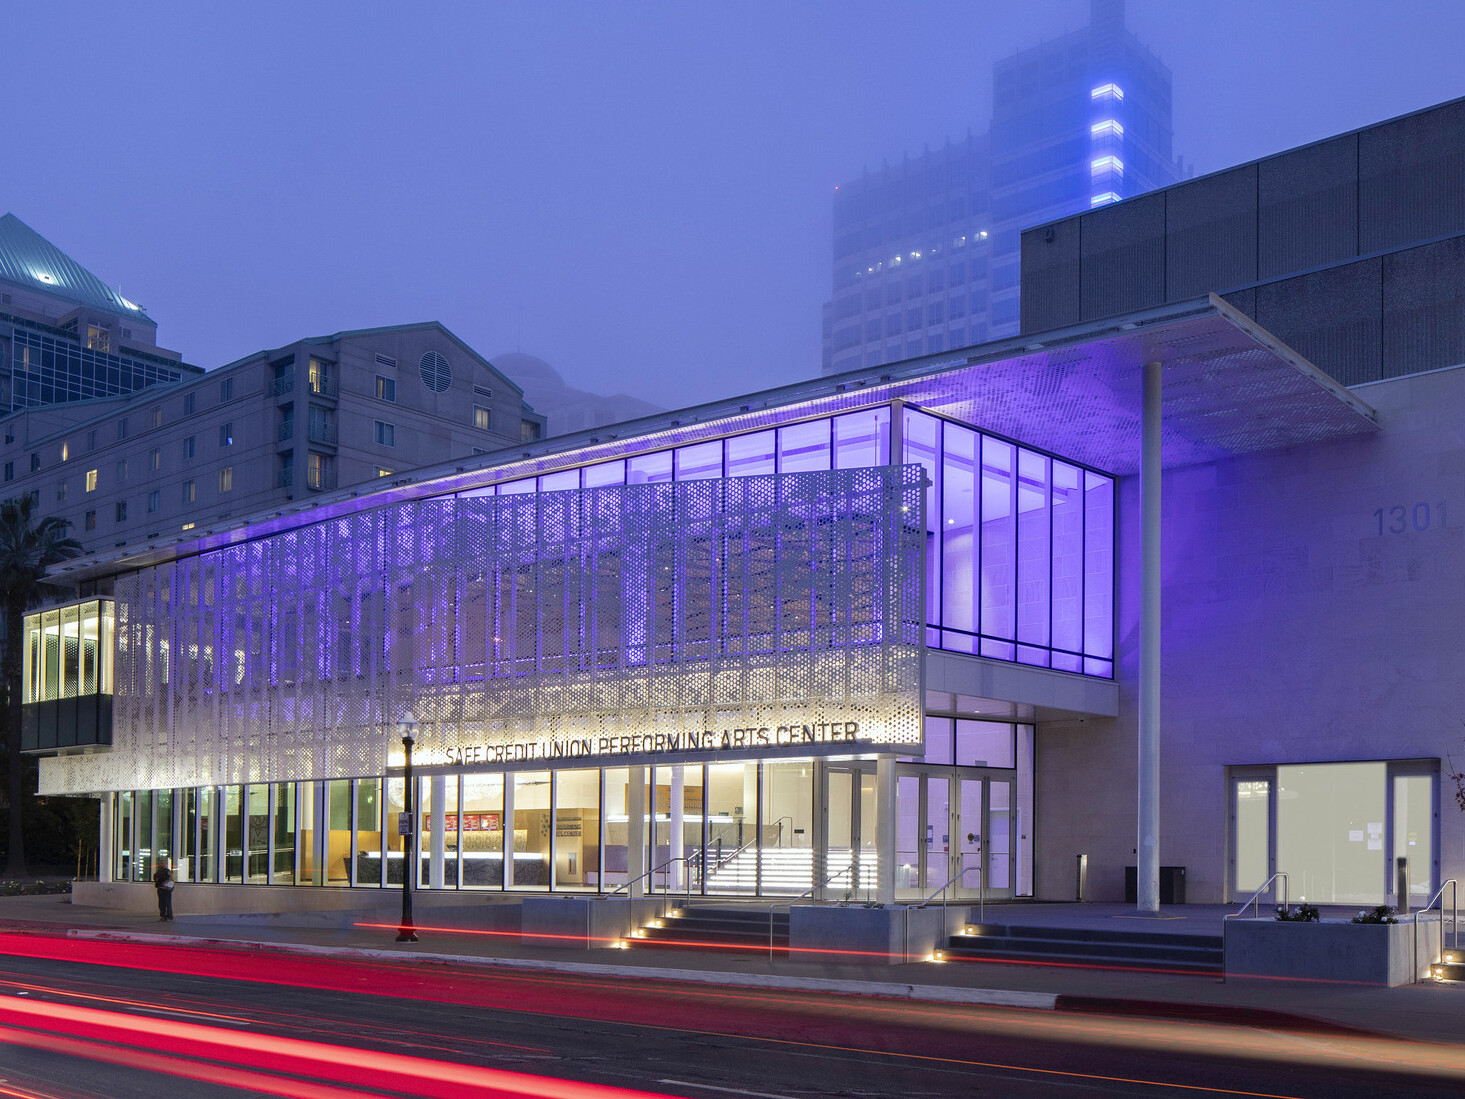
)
(226, 435)
(122, 470)
(155, 458)
(226, 390)
(91, 439)
(529, 431)
(121, 511)
(188, 492)
(386, 388)
(188, 403)
(60, 492)
(481, 417)
(187, 526)
(157, 416)
(155, 501)
(35, 462)
(89, 521)
(9, 431)
(319, 378)
(98, 339)
(10, 471)
(122, 428)
(382, 471)
(226, 479)
(386, 434)
(65, 451)
(320, 472)
(188, 447)
(91, 480)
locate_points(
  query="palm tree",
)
(29, 545)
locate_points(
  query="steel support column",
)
(1148, 861)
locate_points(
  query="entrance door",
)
(849, 864)
(954, 825)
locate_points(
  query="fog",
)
(638, 193)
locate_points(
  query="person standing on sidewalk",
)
(163, 883)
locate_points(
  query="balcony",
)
(323, 432)
(282, 385)
(322, 480)
(321, 384)
(285, 478)
(285, 431)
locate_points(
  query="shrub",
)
(1379, 913)
(1303, 913)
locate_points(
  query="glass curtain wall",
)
(1020, 544)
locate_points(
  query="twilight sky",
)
(638, 193)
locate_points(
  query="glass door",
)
(849, 830)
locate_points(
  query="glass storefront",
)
(1338, 831)
(746, 828)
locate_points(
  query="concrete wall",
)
(1293, 632)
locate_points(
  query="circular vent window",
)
(437, 375)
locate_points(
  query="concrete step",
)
(716, 927)
(1090, 947)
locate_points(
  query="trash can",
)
(1172, 884)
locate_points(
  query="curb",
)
(989, 997)
(1224, 1014)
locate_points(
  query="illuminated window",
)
(481, 417)
(187, 526)
(1107, 91)
(91, 480)
(381, 471)
(1106, 164)
(65, 451)
(226, 479)
(386, 388)
(1104, 199)
(226, 435)
(189, 492)
(1107, 128)
(98, 339)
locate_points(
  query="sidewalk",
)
(1426, 1011)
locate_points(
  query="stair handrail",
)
(722, 860)
(806, 893)
(1454, 887)
(981, 893)
(1255, 898)
(631, 900)
(786, 817)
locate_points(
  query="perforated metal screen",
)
(672, 618)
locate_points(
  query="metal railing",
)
(285, 431)
(665, 894)
(942, 893)
(285, 478)
(282, 385)
(850, 869)
(321, 384)
(1454, 887)
(1255, 898)
(320, 479)
(323, 431)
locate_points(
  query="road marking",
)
(729, 1091)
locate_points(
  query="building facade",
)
(132, 445)
(871, 635)
(926, 252)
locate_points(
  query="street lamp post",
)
(407, 826)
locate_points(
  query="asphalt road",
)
(85, 1018)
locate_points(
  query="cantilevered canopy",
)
(1230, 388)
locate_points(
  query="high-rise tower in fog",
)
(926, 251)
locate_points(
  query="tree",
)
(29, 545)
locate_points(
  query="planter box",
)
(871, 936)
(1333, 950)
